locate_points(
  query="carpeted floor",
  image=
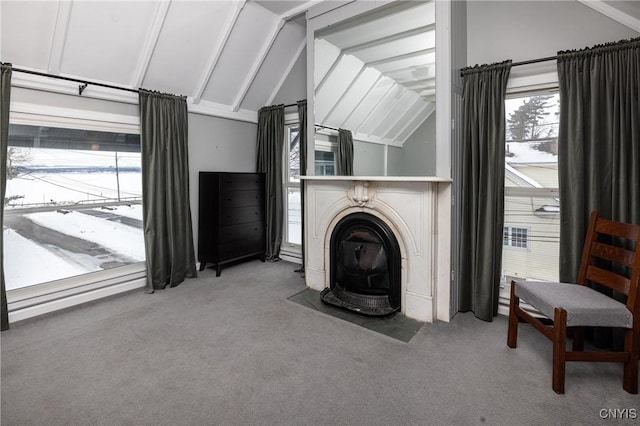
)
(234, 350)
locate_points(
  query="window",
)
(293, 208)
(72, 204)
(515, 237)
(532, 203)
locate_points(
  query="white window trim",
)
(289, 251)
(39, 299)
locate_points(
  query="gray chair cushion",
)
(584, 306)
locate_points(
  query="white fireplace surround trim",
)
(418, 212)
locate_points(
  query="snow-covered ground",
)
(28, 261)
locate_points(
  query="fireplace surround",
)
(417, 210)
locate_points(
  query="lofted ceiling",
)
(375, 74)
(229, 58)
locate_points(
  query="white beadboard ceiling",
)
(374, 75)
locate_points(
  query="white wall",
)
(218, 145)
(523, 30)
(419, 151)
(368, 159)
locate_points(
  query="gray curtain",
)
(482, 188)
(168, 234)
(5, 95)
(302, 117)
(344, 159)
(598, 142)
(270, 144)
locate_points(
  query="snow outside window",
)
(72, 205)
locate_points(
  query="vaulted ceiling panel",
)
(252, 32)
(27, 31)
(352, 97)
(326, 55)
(287, 44)
(368, 103)
(381, 110)
(396, 112)
(411, 125)
(412, 111)
(403, 46)
(336, 84)
(104, 39)
(190, 33)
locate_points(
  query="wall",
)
(218, 145)
(294, 87)
(368, 159)
(394, 161)
(523, 30)
(419, 151)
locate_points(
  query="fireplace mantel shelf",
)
(380, 178)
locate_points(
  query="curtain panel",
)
(5, 100)
(344, 158)
(302, 118)
(270, 145)
(598, 142)
(168, 234)
(482, 188)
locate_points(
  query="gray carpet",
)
(234, 351)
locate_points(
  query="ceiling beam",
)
(421, 106)
(389, 110)
(217, 51)
(613, 13)
(376, 106)
(387, 39)
(331, 69)
(402, 57)
(159, 16)
(59, 38)
(262, 55)
(409, 121)
(375, 83)
(287, 71)
(292, 13)
(342, 96)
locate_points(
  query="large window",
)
(72, 205)
(532, 201)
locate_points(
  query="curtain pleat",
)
(5, 98)
(270, 144)
(168, 233)
(344, 158)
(598, 142)
(482, 188)
(302, 117)
(598, 149)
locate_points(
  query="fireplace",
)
(365, 264)
(411, 215)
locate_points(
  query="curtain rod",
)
(515, 64)
(81, 88)
(326, 127)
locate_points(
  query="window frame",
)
(288, 248)
(37, 299)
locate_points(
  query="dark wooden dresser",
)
(231, 220)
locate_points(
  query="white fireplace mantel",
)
(418, 211)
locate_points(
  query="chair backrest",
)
(610, 242)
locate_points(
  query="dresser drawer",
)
(233, 199)
(234, 182)
(242, 231)
(240, 215)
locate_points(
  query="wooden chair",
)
(577, 306)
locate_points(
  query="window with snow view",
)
(72, 204)
(532, 201)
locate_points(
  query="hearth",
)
(365, 265)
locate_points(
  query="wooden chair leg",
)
(559, 349)
(578, 338)
(512, 331)
(632, 347)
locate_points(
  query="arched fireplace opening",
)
(365, 266)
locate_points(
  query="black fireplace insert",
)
(365, 266)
